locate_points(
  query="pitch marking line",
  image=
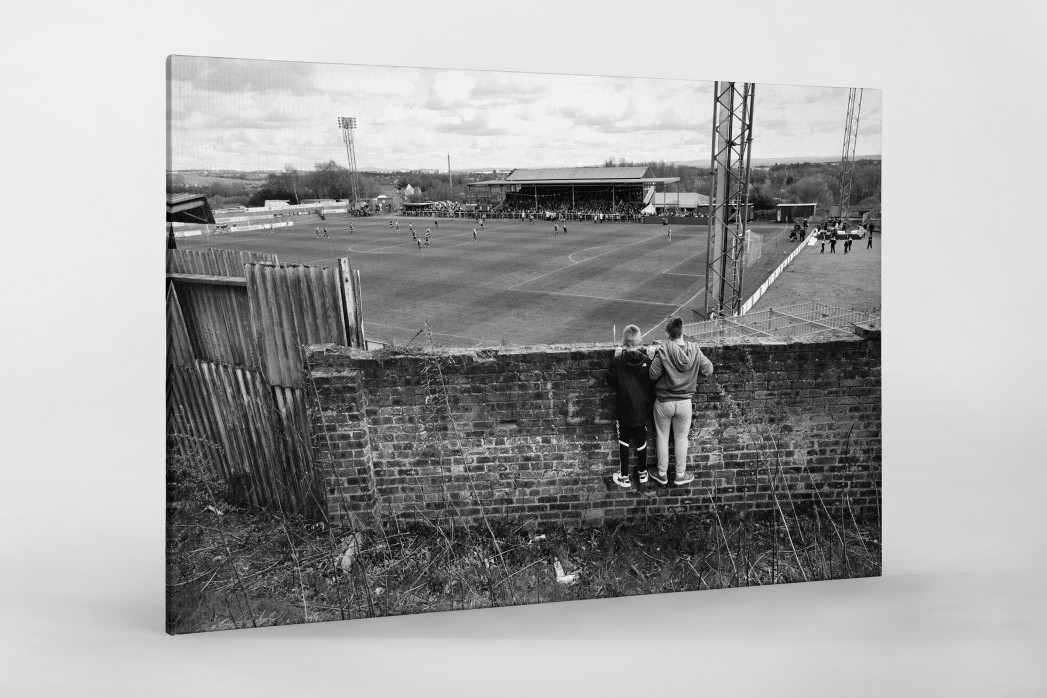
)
(685, 304)
(582, 295)
(622, 247)
(571, 258)
(668, 270)
(695, 296)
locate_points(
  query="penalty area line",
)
(684, 305)
(582, 295)
(571, 264)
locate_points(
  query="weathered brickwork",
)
(528, 433)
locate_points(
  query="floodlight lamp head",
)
(347, 122)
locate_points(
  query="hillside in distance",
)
(767, 162)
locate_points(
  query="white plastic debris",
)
(535, 539)
(562, 578)
(352, 549)
(378, 591)
(214, 509)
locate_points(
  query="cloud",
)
(259, 115)
(494, 89)
(229, 76)
(607, 120)
(814, 95)
(450, 90)
(476, 124)
(671, 120)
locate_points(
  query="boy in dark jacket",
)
(628, 375)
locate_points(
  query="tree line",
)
(327, 180)
(784, 183)
(807, 182)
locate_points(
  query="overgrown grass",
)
(233, 567)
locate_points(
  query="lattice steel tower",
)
(348, 125)
(850, 142)
(729, 201)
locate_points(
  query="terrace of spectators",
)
(585, 191)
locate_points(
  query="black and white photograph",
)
(443, 340)
(543, 349)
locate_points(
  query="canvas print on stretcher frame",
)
(446, 339)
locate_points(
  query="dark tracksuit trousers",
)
(628, 376)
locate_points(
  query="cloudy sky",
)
(261, 115)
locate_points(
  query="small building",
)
(273, 203)
(677, 203)
(382, 203)
(191, 209)
(790, 213)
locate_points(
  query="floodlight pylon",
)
(729, 199)
(850, 143)
(348, 126)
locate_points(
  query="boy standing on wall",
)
(676, 366)
(628, 375)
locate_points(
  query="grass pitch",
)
(518, 283)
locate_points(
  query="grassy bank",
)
(234, 567)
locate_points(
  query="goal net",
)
(753, 248)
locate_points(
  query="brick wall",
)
(529, 433)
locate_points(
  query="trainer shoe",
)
(660, 479)
(684, 479)
(643, 477)
(621, 480)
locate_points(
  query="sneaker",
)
(643, 477)
(660, 479)
(621, 480)
(684, 479)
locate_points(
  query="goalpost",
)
(753, 248)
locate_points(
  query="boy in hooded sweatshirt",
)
(675, 368)
(628, 375)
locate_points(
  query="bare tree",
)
(290, 170)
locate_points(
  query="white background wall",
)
(960, 609)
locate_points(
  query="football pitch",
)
(517, 283)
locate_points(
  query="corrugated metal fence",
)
(236, 324)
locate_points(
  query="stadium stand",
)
(615, 192)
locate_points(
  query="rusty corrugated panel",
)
(350, 298)
(192, 423)
(236, 370)
(264, 437)
(358, 339)
(303, 478)
(217, 317)
(219, 323)
(179, 348)
(214, 262)
(256, 461)
(291, 306)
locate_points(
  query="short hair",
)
(674, 328)
(631, 336)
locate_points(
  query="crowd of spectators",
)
(585, 203)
